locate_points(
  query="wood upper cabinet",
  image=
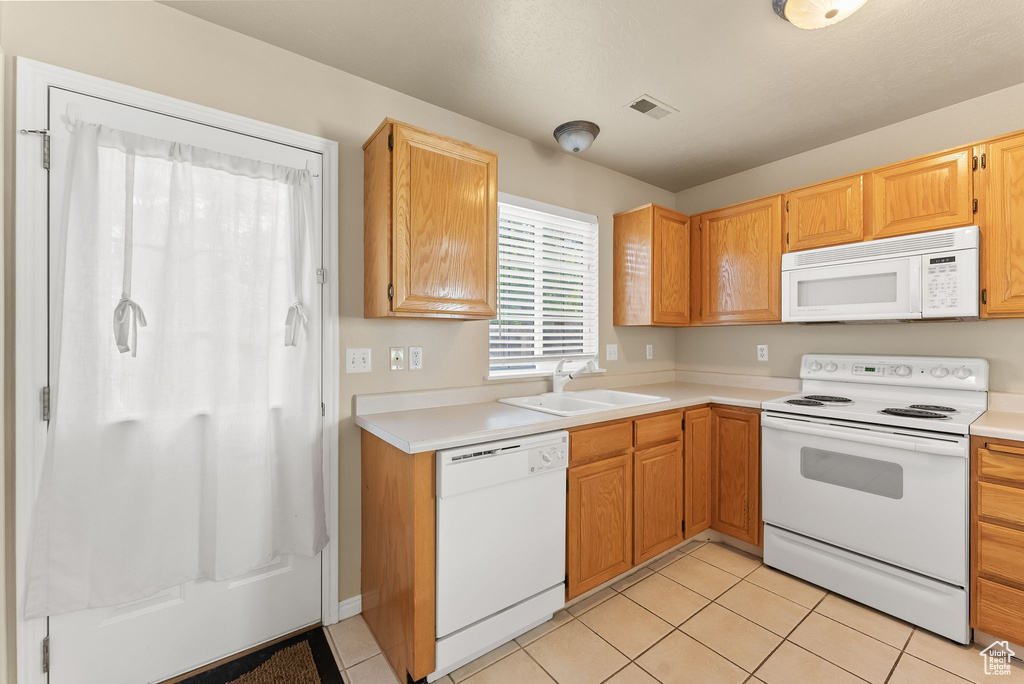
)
(652, 267)
(736, 472)
(997, 537)
(430, 225)
(599, 531)
(741, 263)
(657, 499)
(927, 193)
(1001, 184)
(696, 470)
(825, 214)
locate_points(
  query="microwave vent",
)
(934, 242)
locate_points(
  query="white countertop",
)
(443, 427)
(1000, 424)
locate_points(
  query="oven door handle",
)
(859, 436)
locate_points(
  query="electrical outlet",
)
(650, 352)
(611, 352)
(762, 352)
(357, 361)
(398, 358)
(415, 358)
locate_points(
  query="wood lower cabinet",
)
(652, 267)
(741, 263)
(927, 193)
(997, 537)
(1001, 180)
(736, 472)
(825, 214)
(430, 211)
(697, 470)
(599, 525)
(657, 499)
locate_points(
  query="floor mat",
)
(302, 659)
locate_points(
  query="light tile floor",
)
(704, 613)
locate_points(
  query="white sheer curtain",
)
(184, 439)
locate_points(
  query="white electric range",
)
(865, 479)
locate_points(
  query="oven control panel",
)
(914, 371)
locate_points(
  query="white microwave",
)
(928, 275)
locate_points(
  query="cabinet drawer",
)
(999, 611)
(659, 428)
(586, 445)
(1002, 462)
(1000, 552)
(1001, 504)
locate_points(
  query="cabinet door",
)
(1002, 246)
(444, 239)
(657, 500)
(697, 471)
(826, 214)
(741, 279)
(670, 277)
(735, 473)
(600, 522)
(923, 194)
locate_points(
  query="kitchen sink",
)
(585, 401)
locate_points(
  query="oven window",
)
(875, 288)
(870, 475)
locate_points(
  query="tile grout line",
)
(785, 639)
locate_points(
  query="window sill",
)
(531, 375)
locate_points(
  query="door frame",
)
(31, 311)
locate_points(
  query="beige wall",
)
(732, 349)
(160, 49)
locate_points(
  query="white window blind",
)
(547, 287)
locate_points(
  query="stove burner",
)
(804, 402)
(932, 407)
(914, 413)
(829, 399)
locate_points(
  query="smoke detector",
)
(656, 109)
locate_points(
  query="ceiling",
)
(750, 88)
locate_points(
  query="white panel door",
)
(201, 621)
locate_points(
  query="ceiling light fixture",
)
(815, 14)
(576, 136)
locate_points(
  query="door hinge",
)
(975, 206)
(321, 275)
(323, 409)
(974, 163)
(982, 160)
(391, 291)
(44, 403)
(46, 653)
(46, 143)
(984, 296)
(391, 141)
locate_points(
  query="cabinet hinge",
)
(391, 141)
(984, 296)
(46, 143)
(46, 653)
(974, 163)
(982, 160)
(975, 206)
(787, 238)
(391, 291)
(44, 404)
(787, 205)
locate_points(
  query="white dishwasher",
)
(500, 543)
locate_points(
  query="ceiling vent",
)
(656, 109)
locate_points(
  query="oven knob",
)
(814, 366)
(962, 373)
(831, 367)
(940, 372)
(903, 370)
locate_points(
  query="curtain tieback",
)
(128, 316)
(296, 319)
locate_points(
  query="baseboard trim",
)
(350, 607)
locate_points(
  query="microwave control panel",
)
(950, 284)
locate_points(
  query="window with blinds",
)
(547, 287)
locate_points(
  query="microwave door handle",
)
(849, 436)
(916, 286)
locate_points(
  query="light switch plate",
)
(357, 361)
(650, 352)
(415, 358)
(611, 352)
(398, 358)
(762, 352)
